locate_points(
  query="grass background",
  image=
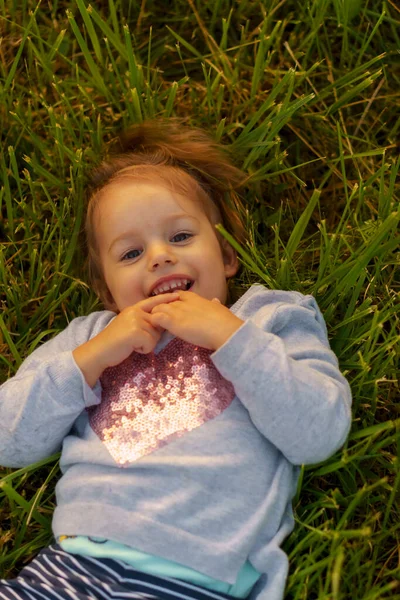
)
(307, 96)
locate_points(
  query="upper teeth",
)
(167, 286)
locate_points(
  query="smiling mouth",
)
(172, 286)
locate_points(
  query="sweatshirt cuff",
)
(227, 356)
(91, 396)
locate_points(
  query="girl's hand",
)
(131, 331)
(199, 321)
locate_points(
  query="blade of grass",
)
(86, 16)
(98, 81)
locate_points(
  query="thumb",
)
(216, 300)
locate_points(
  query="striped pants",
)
(58, 575)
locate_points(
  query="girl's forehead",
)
(133, 196)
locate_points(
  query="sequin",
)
(151, 399)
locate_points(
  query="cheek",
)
(129, 284)
(217, 255)
(126, 281)
(113, 282)
(111, 278)
(210, 258)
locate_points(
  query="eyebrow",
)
(129, 234)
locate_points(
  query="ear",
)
(231, 263)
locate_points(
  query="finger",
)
(160, 320)
(149, 339)
(187, 295)
(216, 300)
(162, 308)
(159, 328)
(150, 327)
(146, 346)
(148, 304)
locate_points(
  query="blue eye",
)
(179, 235)
(128, 256)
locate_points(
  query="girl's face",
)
(150, 237)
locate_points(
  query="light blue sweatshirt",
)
(186, 454)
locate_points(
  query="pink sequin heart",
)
(151, 399)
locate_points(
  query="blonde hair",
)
(186, 160)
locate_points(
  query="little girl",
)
(183, 413)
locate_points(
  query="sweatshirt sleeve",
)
(39, 405)
(285, 374)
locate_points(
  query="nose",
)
(160, 255)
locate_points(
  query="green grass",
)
(307, 96)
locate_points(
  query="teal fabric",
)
(160, 567)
